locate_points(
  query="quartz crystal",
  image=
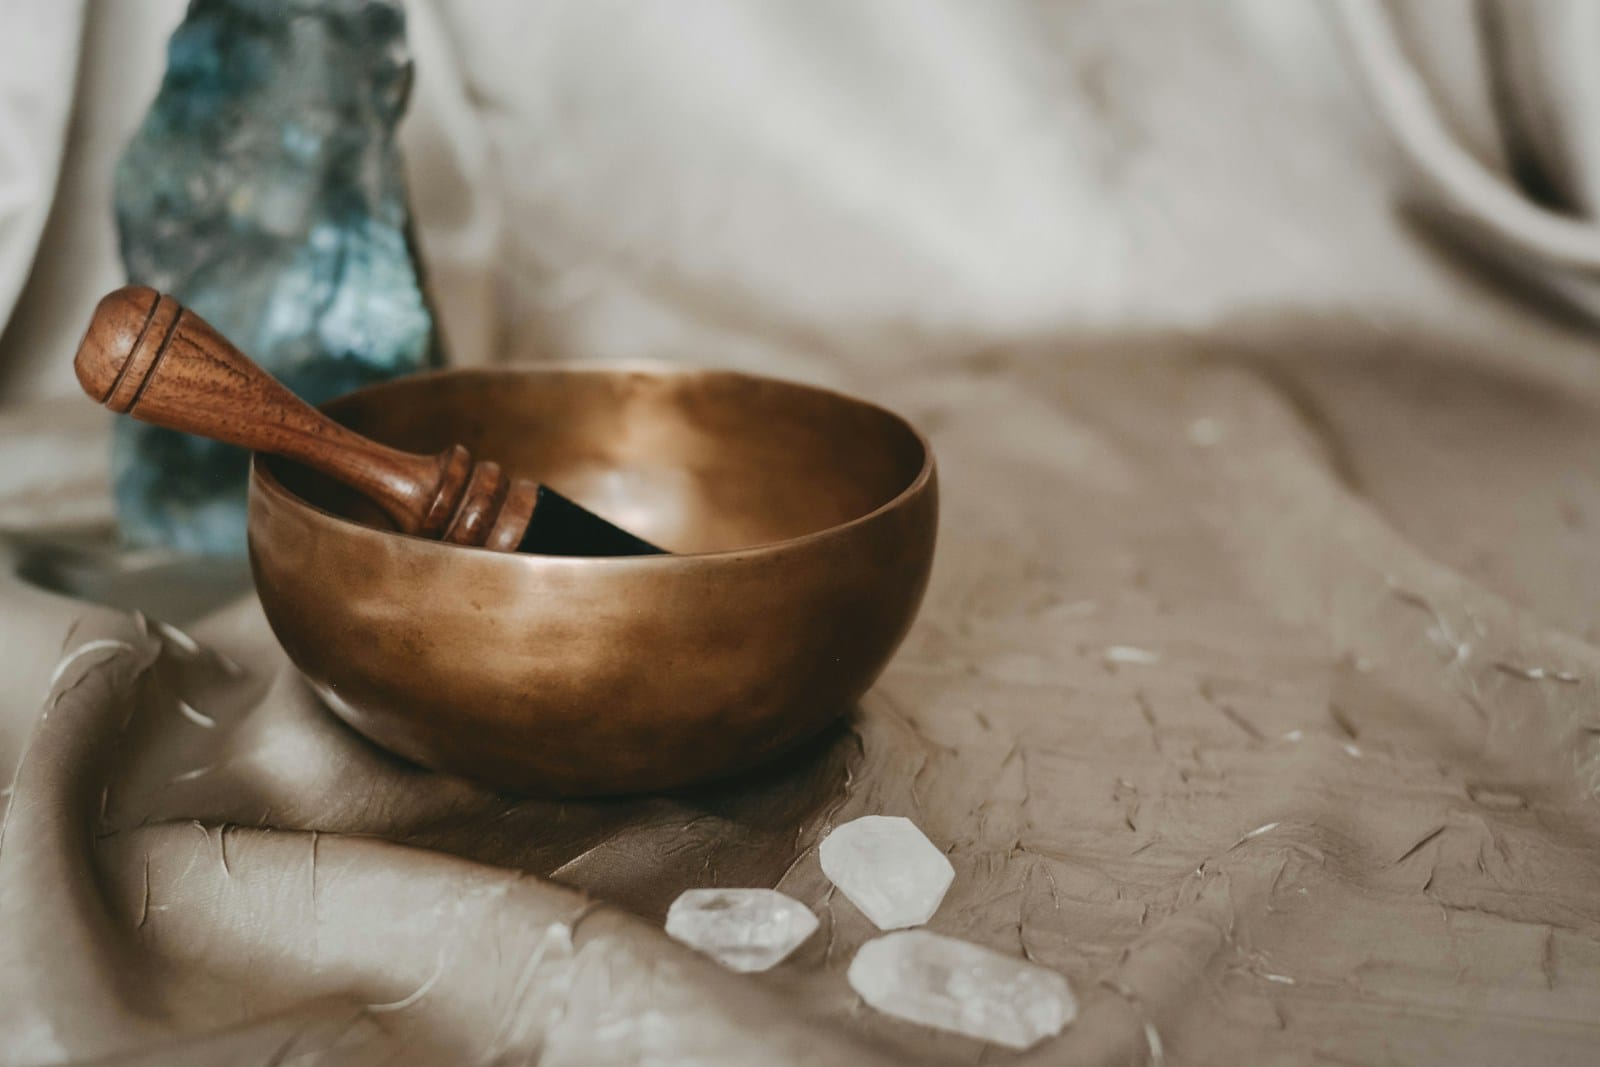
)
(888, 869)
(264, 190)
(742, 929)
(938, 981)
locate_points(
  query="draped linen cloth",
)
(1167, 289)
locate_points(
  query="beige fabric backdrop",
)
(1196, 386)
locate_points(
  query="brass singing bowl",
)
(802, 528)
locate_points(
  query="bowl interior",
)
(695, 461)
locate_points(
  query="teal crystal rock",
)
(264, 190)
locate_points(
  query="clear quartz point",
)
(742, 929)
(953, 985)
(888, 869)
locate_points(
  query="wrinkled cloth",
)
(1196, 390)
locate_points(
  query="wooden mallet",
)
(147, 356)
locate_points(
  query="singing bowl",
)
(802, 528)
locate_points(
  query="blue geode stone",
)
(264, 190)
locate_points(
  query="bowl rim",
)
(262, 479)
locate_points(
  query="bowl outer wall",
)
(566, 676)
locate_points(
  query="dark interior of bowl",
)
(695, 461)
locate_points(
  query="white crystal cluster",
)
(888, 869)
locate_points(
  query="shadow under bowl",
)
(802, 526)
